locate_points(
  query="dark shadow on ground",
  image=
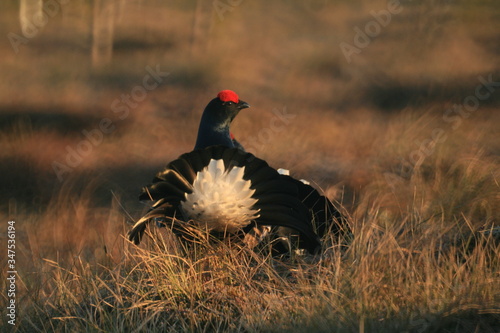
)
(53, 120)
(33, 190)
(389, 95)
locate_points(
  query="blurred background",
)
(375, 102)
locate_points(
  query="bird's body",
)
(259, 196)
(221, 188)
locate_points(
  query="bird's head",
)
(226, 105)
(216, 120)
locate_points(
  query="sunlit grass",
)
(395, 275)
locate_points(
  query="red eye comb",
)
(228, 96)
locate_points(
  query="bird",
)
(222, 188)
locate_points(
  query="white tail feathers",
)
(221, 199)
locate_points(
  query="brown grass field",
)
(403, 134)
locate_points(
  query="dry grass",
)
(363, 132)
(393, 277)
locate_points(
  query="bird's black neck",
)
(213, 131)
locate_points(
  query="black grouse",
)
(220, 187)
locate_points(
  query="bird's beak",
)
(243, 105)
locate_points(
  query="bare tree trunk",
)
(104, 14)
(29, 12)
(202, 26)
